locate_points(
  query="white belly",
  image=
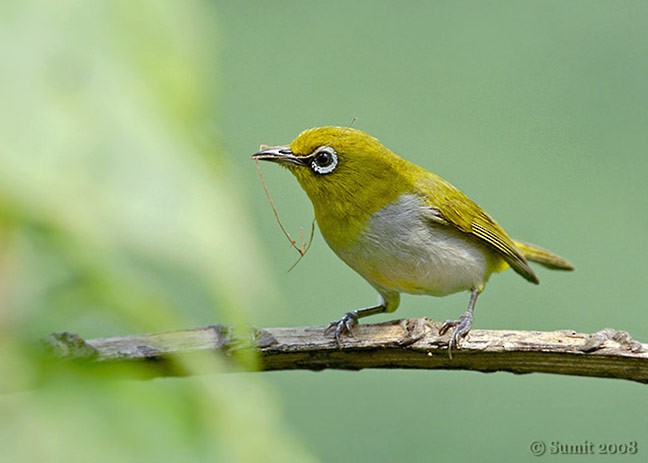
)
(402, 250)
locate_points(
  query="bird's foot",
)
(461, 328)
(342, 326)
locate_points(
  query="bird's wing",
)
(450, 206)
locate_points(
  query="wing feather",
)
(456, 209)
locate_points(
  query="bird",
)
(401, 227)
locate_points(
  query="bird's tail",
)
(543, 257)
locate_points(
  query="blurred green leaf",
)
(118, 215)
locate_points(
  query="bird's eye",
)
(325, 160)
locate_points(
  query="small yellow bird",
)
(401, 227)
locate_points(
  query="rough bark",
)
(406, 344)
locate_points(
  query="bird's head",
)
(338, 163)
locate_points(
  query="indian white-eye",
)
(401, 227)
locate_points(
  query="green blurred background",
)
(129, 203)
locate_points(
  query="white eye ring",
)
(325, 160)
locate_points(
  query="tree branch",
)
(408, 343)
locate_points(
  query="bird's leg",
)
(462, 325)
(350, 319)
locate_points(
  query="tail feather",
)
(543, 257)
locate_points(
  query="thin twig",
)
(304, 246)
(307, 246)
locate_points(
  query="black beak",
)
(278, 154)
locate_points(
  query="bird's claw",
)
(342, 326)
(461, 326)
